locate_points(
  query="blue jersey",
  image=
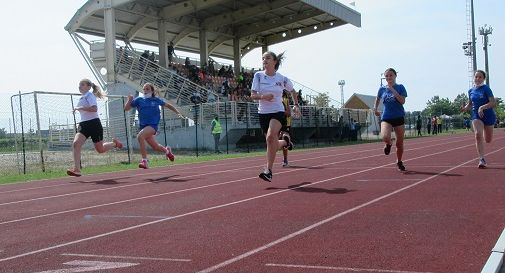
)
(479, 95)
(149, 110)
(392, 107)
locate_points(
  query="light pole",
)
(341, 83)
(485, 31)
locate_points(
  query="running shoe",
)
(143, 164)
(387, 149)
(170, 156)
(482, 163)
(285, 164)
(400, 166)
(73, 173)
(287, 138)
(117, 143)
(266, 175)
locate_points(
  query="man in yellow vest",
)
(216, 132)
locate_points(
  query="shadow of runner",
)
(169, 178)
(409, 172)
(302, 188)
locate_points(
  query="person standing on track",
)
(393, 117)
(149, 117)
(90, 125)
(267, 87)
(481, 102)
(287, 129)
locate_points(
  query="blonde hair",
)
(97, 91)
(155, 90)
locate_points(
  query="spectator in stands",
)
(211, 98)
(212, 70)
(221, 71)
(187, 62)
(300, 98)
(152, 57)
(149, 112)
(225, 88)
(393, 117)
(170, 51)
(229, 72)
(267, 88)
(481, 102)
(143, 60)
(90, 125)
(216, 129)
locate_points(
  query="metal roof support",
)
(236, 56)
(204, 48)
(110, 40)
(264, 48)
(162, 43)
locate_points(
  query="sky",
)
(421, 39)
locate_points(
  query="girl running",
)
(267, 88)
(149, 117)
(393, 117)
(481, 102)
(90, 125)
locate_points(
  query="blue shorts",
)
(155, 127)
(489, 118)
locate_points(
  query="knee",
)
(271, 138)
(478, 136)
(100, 149)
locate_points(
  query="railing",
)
(173, 87)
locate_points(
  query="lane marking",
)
(86, 266)
(127, 257)
(342, 268)
(208, 186)
(388, 179)
(89, 216)
(250, 199)
(336, 216)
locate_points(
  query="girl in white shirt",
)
(267, 88)
(89, 126)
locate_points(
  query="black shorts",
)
(395, 122)
(265, 120)
(91, 128)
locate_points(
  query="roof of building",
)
(254, 23)
(361, 101)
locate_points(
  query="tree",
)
(438, 106)
(322, 100)
(3, 133)
(500, 108)
(460, 100)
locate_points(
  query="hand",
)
(267, 97)
(376, 112)
(463, 108)
(181, 116)
(481, 112)
(76, 109)
(130, 98)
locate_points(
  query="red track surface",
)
(344, 209)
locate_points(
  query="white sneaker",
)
(285, 164)
(482, 163)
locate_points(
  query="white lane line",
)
(157, 174)
(89, 216)
(342, 268)
(196, 175)
(243, 201)
(127, 257)
(388, 179)
(200, 187)
(336, 216)
(87, 266)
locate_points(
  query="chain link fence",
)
(43, 126)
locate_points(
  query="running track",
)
(342, 209)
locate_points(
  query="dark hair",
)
(481, 72)
(392, 70)
(278, 58)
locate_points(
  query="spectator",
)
(439, 124)
(428, 125)
(152, 57)
(143, 60)
(170, 51)
(419, 125)
(216, 132)
(187, 62)
(434, 125)
(221, 71)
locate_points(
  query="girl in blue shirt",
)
(393, 117)
(149, 116)
(481, 102)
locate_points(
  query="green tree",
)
(322, 100)
(500, 108)
(460, 100)
(438, 106)
(3, 133)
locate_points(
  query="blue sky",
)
(420, 39)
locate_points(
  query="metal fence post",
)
(226, 125)
(22, 133)
(247, 126)
(41, 147)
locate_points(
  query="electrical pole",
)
(485, 31)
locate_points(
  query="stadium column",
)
(204, 48)
(264, 48)
(236, 56)
(110, 40)
(162, 43)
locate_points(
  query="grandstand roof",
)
(254, 22)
